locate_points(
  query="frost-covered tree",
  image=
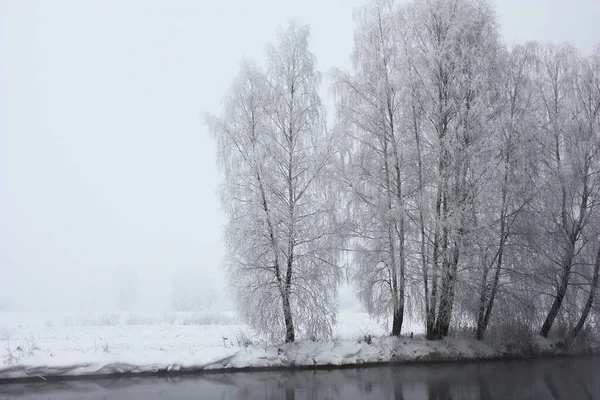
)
(276, 154)
(369, 113)
(510, 187)
(587, 92)
(452, 48)
(469, 175)
(567, 136)
(421, 108)
(565, 177)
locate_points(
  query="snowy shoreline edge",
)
(295, 357)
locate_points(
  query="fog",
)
(107, 173)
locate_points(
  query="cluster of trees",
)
(461, 181)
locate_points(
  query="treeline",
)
(459, 185)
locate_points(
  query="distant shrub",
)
(149, 319)
(169, 318)
(138, 319)
(109, 319)
(94, 319)
(209, 318)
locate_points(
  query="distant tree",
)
(192, 292)
(128, 289)
(276, 154)
(5, 304)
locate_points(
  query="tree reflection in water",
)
(549, 379)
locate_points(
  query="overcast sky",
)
(105, 163)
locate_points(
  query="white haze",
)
(107, 172)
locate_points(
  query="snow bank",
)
(51, 350)
(302, 354)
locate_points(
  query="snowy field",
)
(41, 344)
(44, 344)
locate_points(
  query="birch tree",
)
(453, 48)
(587, 119)
(369, 111)
(468, 175)
(281, 235)
(563, 210)
(509, 190)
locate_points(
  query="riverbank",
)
(364, 351)
(550, 378)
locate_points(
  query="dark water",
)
(561, 379)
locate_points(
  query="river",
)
(544, 379)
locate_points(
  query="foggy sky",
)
(106, 167)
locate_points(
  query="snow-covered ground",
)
(63, 344)
(47, 344)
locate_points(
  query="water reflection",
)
(558, 379)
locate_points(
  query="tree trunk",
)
(289, 322)
(397, 321)
(431, 316)
(590, 300)
(451, 288)
(480, 330)
(287, 308)
(443, 310)
(444, 305)
(494, 290)
(430, 323)
(399, 317)
(560, 293)
(442, 325)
